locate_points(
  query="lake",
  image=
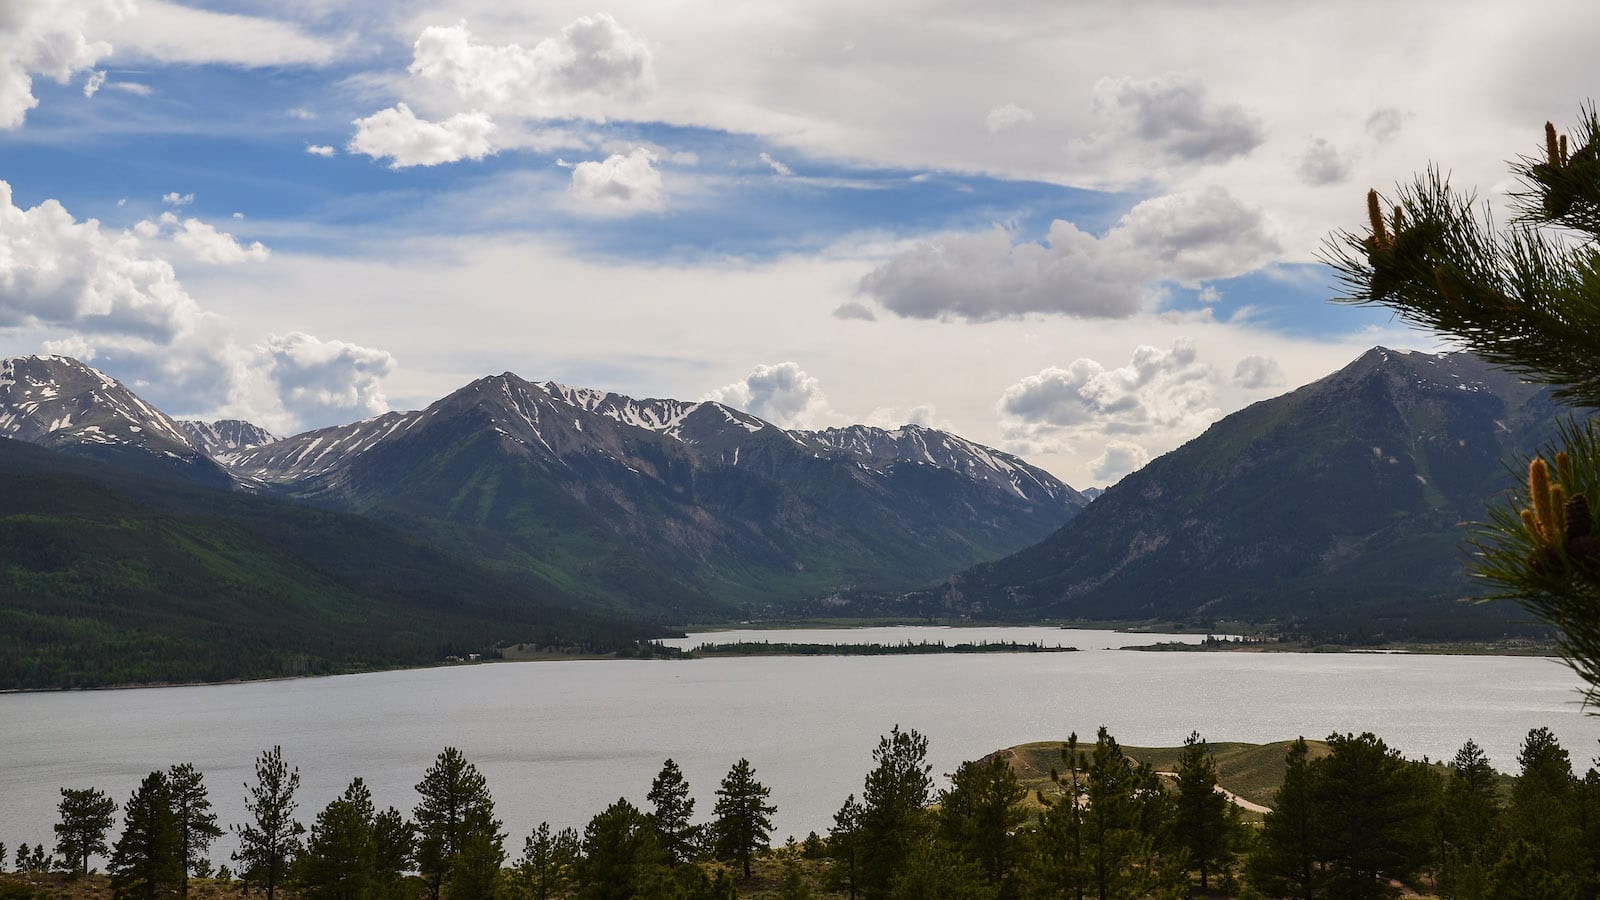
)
(560, 740)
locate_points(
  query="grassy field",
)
(1252, 771)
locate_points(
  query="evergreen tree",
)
(1284, 863)
(197, 824)
(1371, 811)
(673, 809)
(1060, 867)
(548, 859)
(456, 811)
(894, 814)
(147, 861)
(339, 861)
(22, 857)
(1117, 845)
(86, 815)
(1543, 808)
(978, 814)
(1201, 822)
(744, 818)
(844, 841)
(1470, 825)
(393, 842)
(1526, 297)
(937, 871)
(621, 857)
(268, 843)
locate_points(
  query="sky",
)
(1080, 232)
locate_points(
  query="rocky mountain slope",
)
(226, 438)
(699, 506)
(1338, 506)
(60, 403)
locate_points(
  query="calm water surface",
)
(560, 740)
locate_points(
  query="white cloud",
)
(320, 150)
(1118, 459)
(619, 184)
(776, 166)
(1258, 372)
(175, 199)
(55, 270)
(923, 414)
(783, 394)
(1006, 116)
(131, 87)
(1169, 118)
(47, 38)
(405, 140)
(854, 310)
(1322, 163)
(1157, 389)
(593, 57)
(1188, 238)
(93, 83)
(324, 382)
(169, 32)
(200, 241)
(301, 113)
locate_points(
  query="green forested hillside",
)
(109, 577)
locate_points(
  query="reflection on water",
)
(560, 740)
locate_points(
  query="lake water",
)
(560, 740)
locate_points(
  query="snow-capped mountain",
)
(224, 439)
(653, 503)
(59, 402)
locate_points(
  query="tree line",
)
(1352, 819)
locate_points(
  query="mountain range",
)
(648, 510)
(1338, 508)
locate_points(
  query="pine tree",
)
(147, 861)
(1201, 822)
(548, 859)
(268, 843)
(621, 857)
(393, 842)
(22, 857)
(456, 814)
(894, 815)
(1526, 297)
(86, 815)
(1543, 808)
(844, 841)
(1061, 869)
(1470, 824)
(1371, 810)
(340, 857)
(1115, 839)
(743, 825)
(1284, 863)
(197, 824)
(673, 809)
(979, 812)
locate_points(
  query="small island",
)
(769, 648)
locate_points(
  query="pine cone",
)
(1580, 521)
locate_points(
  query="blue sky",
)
(1014, 221)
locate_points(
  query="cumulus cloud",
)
(201, 241)
(173, 198)
(619, 183)
(782, 394)
(1171, 117)
(1118, 459)
(1256, 372)
(93, 83)
(399, 136)
(1321, 164)
(322, 382)
(55, 270)
(1157, 388)
(593, 57)
(776, 166)
(1188, 238)
(47, 38)
(320, 150)
(1007, 116)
